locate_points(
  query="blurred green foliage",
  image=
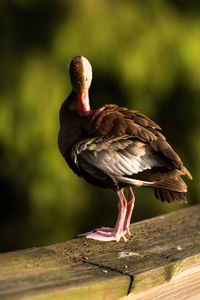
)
(144, 54)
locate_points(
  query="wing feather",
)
(111, 120)
(123, 157)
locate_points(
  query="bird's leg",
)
(130, 206)
(111, 234)
(122, 205)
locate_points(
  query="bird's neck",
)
(70, 124)
(79, 102)
(71, 103)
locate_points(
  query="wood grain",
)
(160, 261)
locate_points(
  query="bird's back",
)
(116, 147)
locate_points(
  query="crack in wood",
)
(104, 267)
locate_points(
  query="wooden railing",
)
(161, 261)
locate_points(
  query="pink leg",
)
(111, 234)
(119, 227)
(130, 206)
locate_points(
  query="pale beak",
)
(84, 103)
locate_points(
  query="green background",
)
(145, 55)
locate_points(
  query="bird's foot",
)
(105, 234)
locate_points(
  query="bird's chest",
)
(70, 131)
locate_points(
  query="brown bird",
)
(113, 147)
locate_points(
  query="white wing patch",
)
(119, 157)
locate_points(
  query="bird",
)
(114, 147)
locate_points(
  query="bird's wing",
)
(128, 161)
(114, 121)
(119, 157)
(111, 120)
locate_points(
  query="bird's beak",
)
(84, 103)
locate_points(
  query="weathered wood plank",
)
(161, 258)
(41, 272)
(185, 285)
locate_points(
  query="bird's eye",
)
(86, 78)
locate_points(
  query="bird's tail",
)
(169, 196)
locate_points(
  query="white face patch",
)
(87, 70)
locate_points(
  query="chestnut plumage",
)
(113, 147)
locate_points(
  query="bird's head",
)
(80, 72)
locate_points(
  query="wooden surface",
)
(160, 261)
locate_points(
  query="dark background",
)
(145, 55)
